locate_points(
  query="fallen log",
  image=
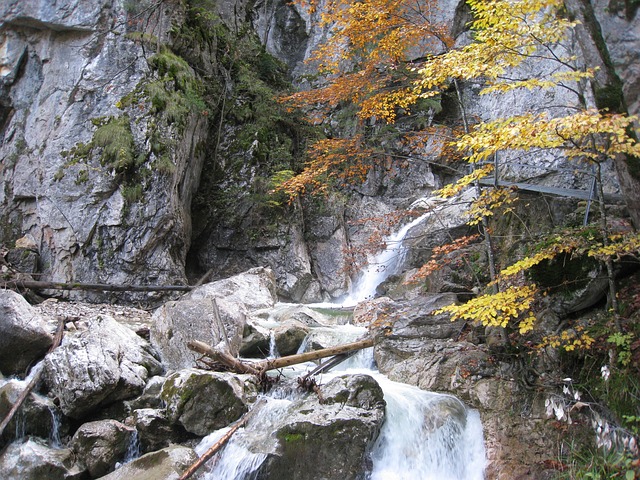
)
(271, 364)
(257, 368)
(39, 285)
(224, 358)
(57, 339)
(188, 473)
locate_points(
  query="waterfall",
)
(427, 435)
(273, 348)
(244, 454)
(383, 265)
(54, 434)
(133, 449)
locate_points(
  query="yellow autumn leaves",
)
(498, 309)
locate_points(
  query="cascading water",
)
(133, 449)
(428, 436)
(383, 265)
(425, 435)
(54, 433)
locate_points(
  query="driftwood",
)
(220, 443)
(38, 285)
(224, 358)
(256, 368)
(57, 339)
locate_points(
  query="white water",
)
(380, 267)
(425, 435)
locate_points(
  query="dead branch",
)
(38, 285)
(257, 368)
(229, 361)
(222, 442)
(282, 362)
(57, 339)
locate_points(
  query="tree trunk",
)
(256, 368)
(37, 285)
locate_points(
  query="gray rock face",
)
(100, 445)
(192, 317)
(166, 464)
(24, 335)
(203, 401)
(620, 24)
(66, 65)
(106, 363)
(33, 460)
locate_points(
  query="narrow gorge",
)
(154, 155)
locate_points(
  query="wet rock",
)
(155, 431)
(289, 337)
(34, 460)
(23, 334)
(38, 415)
(192, 317)
(329, 440)
(360, 391)
(100, 445)
(166, 464)
(203, 401)
(255, 341)
(106, 363)
(150, 397)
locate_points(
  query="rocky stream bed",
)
(123, 397)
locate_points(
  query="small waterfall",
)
(383, 265)
(428, 436)
(54, 434)
(273, 348)
(133, 450)
(248, 449)
(425, 435)
(21, 425)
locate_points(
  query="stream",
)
(425, 435)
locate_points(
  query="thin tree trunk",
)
(613, 291)
(37, 285)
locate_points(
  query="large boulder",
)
(103, 364)
(34, 460)
(203, 401)
(24, 336)
(155, 431)
(166, 464)
(193, 316)
(101, 444)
